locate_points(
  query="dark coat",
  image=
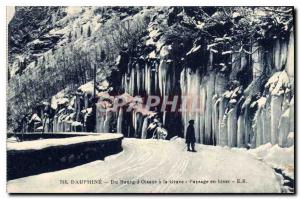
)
(190, 134)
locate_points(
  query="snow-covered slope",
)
(151, 161)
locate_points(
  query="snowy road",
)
(153, 166)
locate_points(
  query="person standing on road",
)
(190, 138)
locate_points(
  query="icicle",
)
(266, 121)
(100, 117)
(223, 132)
(210, 89)
(280, 54)
(220, 83)
(232, 127)
(55, 123)
(240, 131)
(289, 68)
(148, 82)
(60, 124)
(202, 112)
(138, 77)
(257, 67)
(47, 125)
(183, 86)
(291, 114)
(86, 101)
(106, 123)
(138, 122)
(236, 65)
(284, 129)
(156, 83)
(133, 120)
(125, 83)
(215, 119)
(191, 103)
(132, 82)
(144, 128)
(223, 122)
(120, 121)
(275, 113)
(248, 129)
(258, 129)
(290, 139)
(207, 112)
(68, 127)
(162, 77)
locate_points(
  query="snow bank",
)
(278, 82)
(59, 98)
(73, 10)
(35, 118)
(75, 123)
(40, 144)
(276, 157)
(87, 88)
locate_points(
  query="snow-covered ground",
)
(145, 166)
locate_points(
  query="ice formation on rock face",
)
(244, 97)
(227, 116)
